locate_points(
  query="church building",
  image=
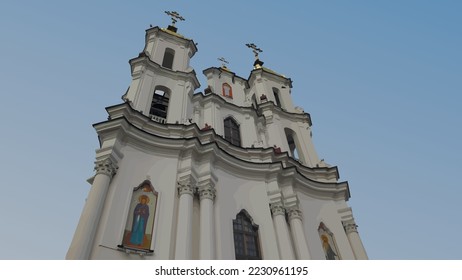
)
(229, 172)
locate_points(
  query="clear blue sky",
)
(381, 80)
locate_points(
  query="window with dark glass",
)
(246, 244)
(276, 97)
(254, 102)
(232, 133)
(159, 104)
(168, 58)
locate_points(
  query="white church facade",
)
(227, 173)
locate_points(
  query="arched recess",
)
(139, 228)
(227, 90)
(328, 243)
(254, 101)
(169, 56)
(160, 102)
(294, 146)
(277, 97)
(232, 131)
(246, 241)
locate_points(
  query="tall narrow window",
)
(232, 133)
(290, 140)
(254, 101)
(159, 104)
(168, 58)
(276, 97)
(227, 90)
(246, 245)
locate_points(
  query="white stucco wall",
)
(316, 211)
(134, 168)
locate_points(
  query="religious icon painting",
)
(139, 228)
(328, 243)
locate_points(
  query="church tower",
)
(227, 173)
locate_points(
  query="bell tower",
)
(288, 128)
(162, 79)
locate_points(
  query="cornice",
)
(131, 127)
(213, 97)
(265, 72)
(249, 109)
(302, 117)
(144, 60)
(176, 37)
(227, 72)
(180, 131)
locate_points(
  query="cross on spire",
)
(175, 16)
(255, 49)
(223, 62)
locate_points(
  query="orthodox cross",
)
(223, 62)
(175, 16)
(255, 49)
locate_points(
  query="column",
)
(207, 240)
(82, 242)
(355, 242)
(183, 248)
(298, 234)
(282, 232)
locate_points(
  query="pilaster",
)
(207, 195)
(282, 232)
(84, 236)
(351, 230)
(298, 234)
(183, 248)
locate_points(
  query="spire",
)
(175, 16)
(258, 63)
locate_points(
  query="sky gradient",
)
(381, 80)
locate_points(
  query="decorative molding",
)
(294, 213)
(277, 209)
(150, 136)
(106, 166)
(350, 226)
(185, 189)
(268, 118)
(207, 192)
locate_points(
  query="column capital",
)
(294, 213)
(350, 226)
(207, 192)
(277, 209)
(185, 189)
(106, 166)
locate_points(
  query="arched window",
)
(168, 58)
(254, 101)
(290, 140)
(159, 104)
(276, 97)
(232, 133)
(227, 90)
(246, 246)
